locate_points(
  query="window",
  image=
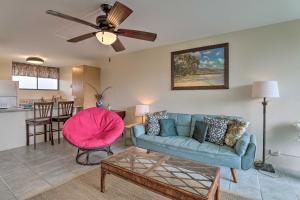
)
(35, 77)
(47, 84)
(26, 82)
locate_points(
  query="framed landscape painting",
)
(200, 68)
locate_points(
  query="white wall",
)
(265, 53)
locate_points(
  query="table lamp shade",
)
(141, 110)
(265, 89)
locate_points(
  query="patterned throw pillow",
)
(152, 122)
(235, 131)
(216, 130)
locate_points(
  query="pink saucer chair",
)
(93, 129)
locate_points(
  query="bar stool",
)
(42, 116)
(64, 112)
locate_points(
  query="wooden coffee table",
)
(173, 177)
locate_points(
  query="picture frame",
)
(201, 68)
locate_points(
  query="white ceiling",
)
(25, 29)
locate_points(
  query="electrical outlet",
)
(273, 153)
(276, 153)
(269, 151)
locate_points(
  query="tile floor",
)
(25, 172)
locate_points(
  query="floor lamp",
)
(265, 89)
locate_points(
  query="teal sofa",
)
(185, 146)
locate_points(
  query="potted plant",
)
(99, 95)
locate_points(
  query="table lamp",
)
(141, 110)
(264, 89)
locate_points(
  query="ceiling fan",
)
(106, 25)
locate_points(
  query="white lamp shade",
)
(141, 110)
(265, 89)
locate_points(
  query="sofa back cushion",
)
(185, 123)
(182, 122)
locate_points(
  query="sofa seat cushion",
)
(190, 148)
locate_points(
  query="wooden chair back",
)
(65, 108)
(42, 110)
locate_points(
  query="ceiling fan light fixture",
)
(35, 60)
(106, 37)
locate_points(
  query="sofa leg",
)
(233, 174)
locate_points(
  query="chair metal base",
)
(81, 152)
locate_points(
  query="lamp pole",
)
(264, 103)
(262, 165)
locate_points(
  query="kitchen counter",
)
(14, 110)
(18, 109)
(13, 129)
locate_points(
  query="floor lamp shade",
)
(141, 110)
(265, 89)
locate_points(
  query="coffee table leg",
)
(103, 173)
(217, 194)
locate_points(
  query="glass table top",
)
(181, 173)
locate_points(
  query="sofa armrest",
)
(137, 131)
(249, 157)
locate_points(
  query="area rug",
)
(87, 187)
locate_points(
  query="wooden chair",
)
(64, 112)
(42, 116)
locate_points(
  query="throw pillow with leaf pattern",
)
(152, 122)
(235, 131)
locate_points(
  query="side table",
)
(129, 128)
(121, 113)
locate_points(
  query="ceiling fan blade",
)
(137, 34)
(82, 37)
(118, 13)
(118, 46)
(68, 17)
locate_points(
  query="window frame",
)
(37, 83)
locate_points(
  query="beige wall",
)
(266, 53)
(5, 69)
(65, 82)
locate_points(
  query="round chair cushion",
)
(93, 128)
